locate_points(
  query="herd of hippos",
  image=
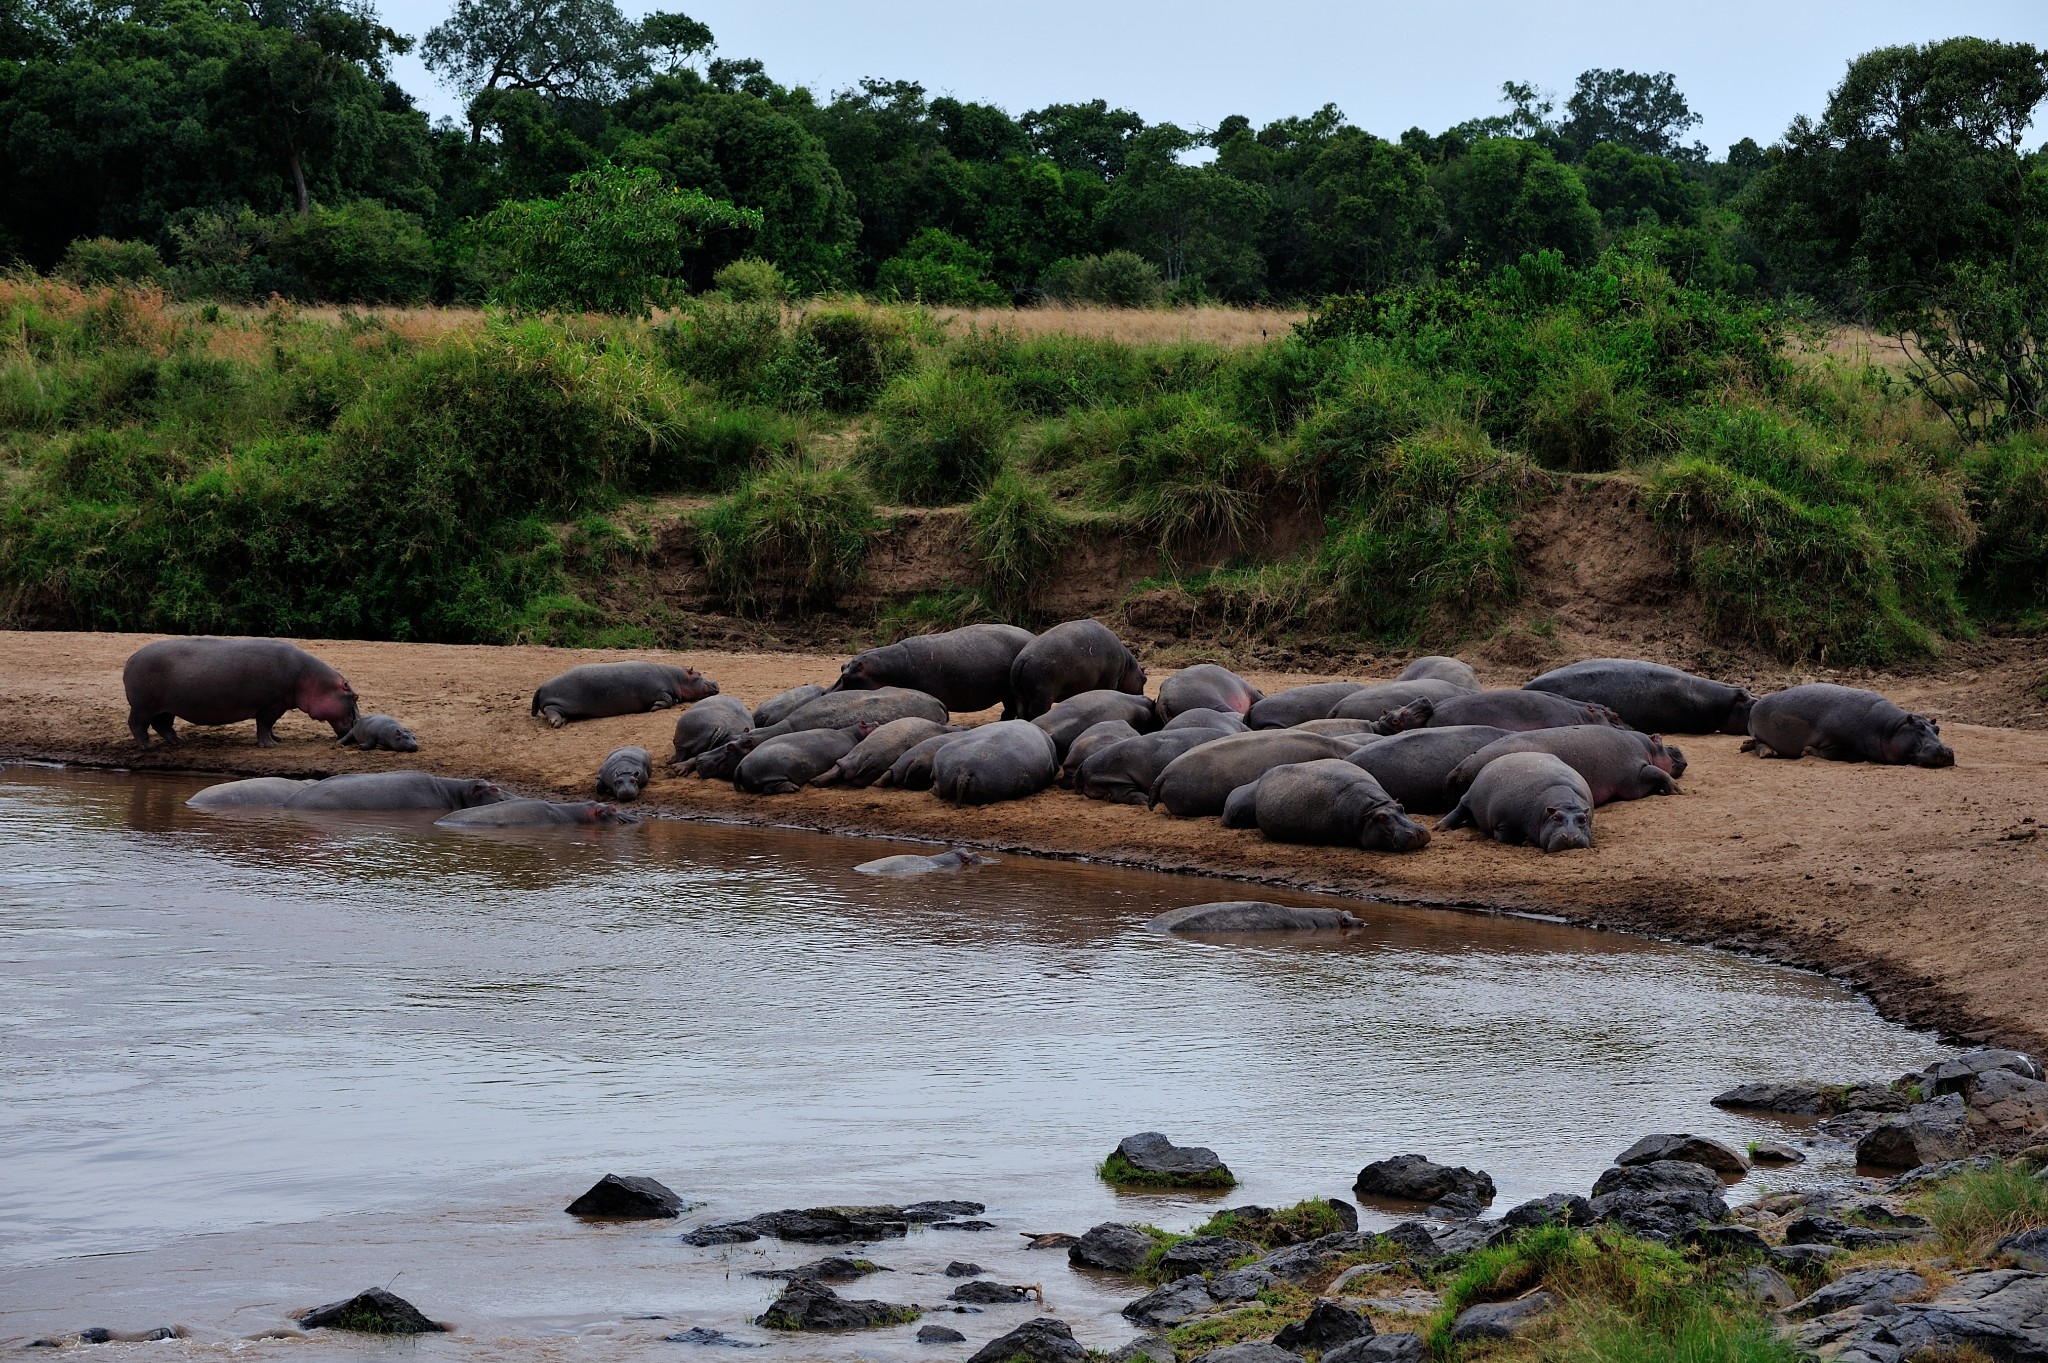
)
(1334, 763)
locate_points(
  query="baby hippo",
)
(1327, 802)
(910, 864)
(1844, 724)
(625, 774)
(536, 814)
(1528, 797)
(380, 731)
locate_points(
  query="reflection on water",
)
(267, 1060)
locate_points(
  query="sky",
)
(1746, 66)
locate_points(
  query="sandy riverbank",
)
(1927, 888)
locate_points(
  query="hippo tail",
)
(831, 776)
(1459, 817)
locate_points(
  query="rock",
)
(960, 1268)
(1251, 1351)
(808, 1305)
(1859, 1289)
(1178, 1301)
(1159, 1160)
(701, 1334)
(1934, 1173)
(1143, 1349)
(1955, 1074)
(1456, 1207)
(1851, 1127)
(1796, 1100)
(1501, 1319)
(963, 1225)
(939, 1334)
(1057, 1239)
(1827, 1230)
(1326, 1326)
(1414, 1178)
(1240, 1284)
(1356, 1275)
(1775, 1152)
(1659, 1200)
(1044, 1340)
(918, 1212)
(1925, 1133)
(833, 1225)
(628, 1197)
(2000, 1314)
(1296, 1262)
(374, 1312)
(1725, 1240)
(1402, 1347)
(1687, 1149)
(1112, 1246)
(722, 1233)
(1762, 1283)
(833, 1270)
(1204, 1254)
(1252, 915)
(2002, 1103)
(2028, 1249)
(1803, 1258)
(1552, 1208)
(983, 1292)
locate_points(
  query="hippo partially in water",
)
(537, 814)
(258, 792)
(224, 681)
(910, 864)
(380, 791)
(1844, 724)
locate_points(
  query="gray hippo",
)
(1515, 711)
(1201, 779)
(1415, 766)
(967, 668)
(1382, 698)
(778, 708)
(258, 792)
(1066, 660)
(1529, 797)
(1205, 686)
(1436, 667)
(225, 681)
(1093, 739)
(1327, 803)
(1072, 717)
(1208, 717)
(844, 709)
(1124, 773)
(536, 814)
(1285, 709)
(786, 763)
(1651, 696)
(1361, 728)
(389, 790)
(870, 759)
(913, 770)
(910, 864)
(1617, 764)
(719, 763)
(1252, 915)
(710, 723)
(372, 732)
(1844, 724)
(625, 773)
(597, 690)
(1007, 760)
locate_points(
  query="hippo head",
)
(1664, 756)
(626, 786)
(691, 685)
(1414, 715)
(1387, 828)
(593, 812)
(1738, 714)
(331, 698)
(1917, 742)
(1600, 714)
(1565, 827)
(480, 792)
(855, 675)
(1132, 682)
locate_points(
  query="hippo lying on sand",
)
(1093, 739)
(225, 681)
(778, 708)
(1208, 717)
(1285, 709)
(1007, 760)
(844, 709)
(1075, 715)
(1529, 797)
(372, 732)
(913, 770)
(710, 723)
(1205, 686)
(1081, 655)
(1513, 710)
(1415, 767)
(1383, 698)
(1200, 780)
(1652, 697)
(625, 773)
(1436, 667)
(968, 669)
(395, 790)
(1844, 724)
(1252, 915)
(870, 759)
(910, 864)
(1617, 764)
(536, 814)
(258, 792)
(1124, 773)
(787, 763)
(597, 690)
(1328, 803)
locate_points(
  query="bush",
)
(1187, 473)
(864, 348)
(939, 437)
(104, 260)
(939, 268)
(2006, 573)
(751, 280)
(361, 252)
(1116, 279)
(1017, 531)
(792, 536)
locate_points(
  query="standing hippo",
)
(1297, 704)
(778, 708)
(1201, 779)
(225, 681)
(596, 690)
(625, 773)
(910, 864)
(1529, 797)
(1651, 696)
(536, 814)
(372, 732)
(258, 792)
(967, 668)
(390, 790)
(1383, 698)
(913, 770)
(1094, 738)
(1844, 724)
(1066, 660)
(1124, 773)
(1415, 767)
(1515, 711)
(1436, 667)
(1327, 803)
(1067, 721)
(1205, 686)
(1007, 760)
(1205, 718)
(844, 709)
(785, 764)
(1617, 764)
(710, 723)
(870, 759)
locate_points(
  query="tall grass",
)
(790, 537)
(939, 437)
(1017, 531)
(1973, 1209)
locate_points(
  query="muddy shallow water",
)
(256, 1062)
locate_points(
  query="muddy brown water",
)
(258, 1062)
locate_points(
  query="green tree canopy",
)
(1508, 198)
(1644, 113)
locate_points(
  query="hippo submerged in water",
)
(379, 791)
(537, 814)
(225, 681)
(910, 864)
(258, 792)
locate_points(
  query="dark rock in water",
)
(1551, 1209)
(1659, 1200)
(1050, 1239)
(834, 1269)
(811, 1305)
(960, 1268)
(1159, 1160)
(2028, 1249)
(1827, 1230)
(833, 1225)
(1178, 1301)
(1501, 1319)
(1326, 1326)
(1776, 1152)
(1926, 1133)
(627, 1197)
(983, 1292)
(1402, 1347)
(1456, 1207)
(1860, 1288)
(1725, 1240)
(1687, 1149)
(1251, 1351)
(700, 1334)
(1044, 1340)
(1347, 1215)
(375, 1312)
(938, 1211)
(963, 1225)
(1414, 1178)
(1792, 1100)
(96, 1334)
(1252, 915)
(1113, 1246)
(722, 1233)
(939, 1334)
(1204, 1254)
(1241, 1284)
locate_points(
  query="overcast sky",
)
(1747, 66)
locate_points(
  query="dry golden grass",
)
(1135, 326)
(1862, 345)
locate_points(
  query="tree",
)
(1528, 117)
(1507, 198)
(1195, 223)
(938, 267)
(1644, 113)
(1091, 137)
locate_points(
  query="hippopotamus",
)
(910, 864)
(1616, 764)
(1093, 738)
(710, 723)
(719, 763)
(1513, 710)
(913, 770)
(1065, 722)
(258, 792)
(389, 790)
(1297, 704)
(596, 690)
(1844, 724)
(1327, 802)
(1066, 660)
(967, 668)
(1124, 773)
(1651, 696)
(1201, 779)
(536, 814)
(844, 709)
(778, 708)
(1531, 797)
(1252, 915)
(1436, 667)
(371, 732)
(1414, 767)
(784, 764)
(625, 773)
(1336, 728)
(225, 681)
(1205, 717)
(1007, 760)
(1205, 686)
(1382, 698)
(872, 757)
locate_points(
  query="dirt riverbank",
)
(1928, 889)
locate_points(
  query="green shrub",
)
(95, 261)
(1273, 1229)
(1017, 531)
(794, 535)
(1974, 1208)
(726, 345)
(1116, 279)
(936, 267)
(2006, 573)
(938, 438)
(751, 280)
(361, 252)
(865, 348)
(1187, 473)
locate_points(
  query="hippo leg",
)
(167, 725)
(139, 726)
(265, 738)
(1659, 780)
(663, 703)
(553, 715)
